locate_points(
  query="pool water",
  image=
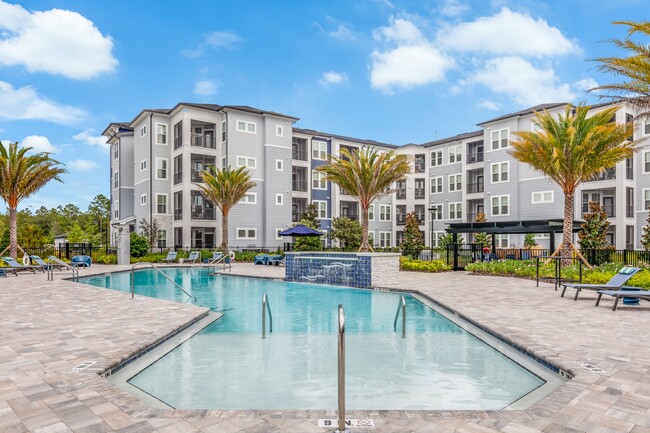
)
(229, 366)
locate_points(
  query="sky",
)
(398, 72)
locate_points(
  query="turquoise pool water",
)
(229, 366)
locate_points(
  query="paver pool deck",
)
(49, 327)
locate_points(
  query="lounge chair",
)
(81, 261)
(618, 294)
(5, 271)
(45, 265)
(13, 264)
(194, 256)
(276, 260)
(171, 257)
(261, 259)
(615, 283)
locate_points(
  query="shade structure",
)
(300, 230)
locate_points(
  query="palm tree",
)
(366, 175)
(571, 148)
(225, 187)
(634, 68)
(21, 175)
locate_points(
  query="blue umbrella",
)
(300, 230)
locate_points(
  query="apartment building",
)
(157, 157)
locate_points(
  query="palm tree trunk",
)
(567, 228)
(13, 233)
(365, 246)
(224, 233)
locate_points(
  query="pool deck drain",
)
(48, 328)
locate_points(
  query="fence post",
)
(67, 250)
(625, 257)
(455, 257)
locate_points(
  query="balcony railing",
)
(401, 220)
(300, 186)
(299, 154)
(607, 174)
(401, 194)
(474, 187)
(178, 214)
(295, 216)
(419, 166)
(419, 193)
(203, 141)
(201, 213)
(475, 157)
(196, 176)
(471, 216)
(178, 177)
(352, 216)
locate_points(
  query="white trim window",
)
(499, 172)
(319, 150)
(161, 134)
(499, 138)
(162, 239)
(455, 211)
(371, 212)
(322, 208)
(249, 198)
(318, 180)
(279, 131)
(246, 127)
(143, 199)
(161, 203)
(455, 154)
(436, 185)
(542, 197)
(436, 212)
(143, 165)
(246, 233)
(116, 210)
(246, 161)
(502, 240)
(384, 212)
(279, 199)
(224, 128)
(384, 240)
(279, 165)
(161, 168)
(436, 158)
(455, 182)
(646, 161)
(116, 180)
(437, 237)
(277, 234)
(143, 130)
(646, 199)
(500, 205)
(116, 151)
(646, 127)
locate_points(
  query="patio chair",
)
(13, 264)
(60, 262)
(276, 260)
(261, 259)
(615, 283)
(45, 265)
(5, 271)
(171, 257)
(618, 294)
(81, 261)
(193, 257)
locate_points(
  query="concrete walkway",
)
(48, 328)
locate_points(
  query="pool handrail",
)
(266, 306)
(161, 272)
(230, 257)
(341, 376)
(401, 306)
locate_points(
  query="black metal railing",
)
(196, 176)
(203, 141)
(419, 193)
(475, 157)
(400, 194)
(299, 154)
(352, 216)
(474, 187)
(201, 213)
(300, 186)
(295, 217)
(401, 220)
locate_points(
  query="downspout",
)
(151, 164)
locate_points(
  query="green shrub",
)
(109, 259)
(408, 264)
(139, 245)
(151, 258)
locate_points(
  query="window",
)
(319, 149)
(279, 165)
(500, 205)
(116, 151)
(646, 199)
(629, 168)
(279, 131)
(224, 162)
(143, 199)
(502, 241)
(161, 203)
(224, 128)
(629, 202)
(436, 211)
(437, 237)
(116, 210)
(455, 154)
(247, 127)
(419, 163)
(371, 212)
(646, 127)
(455, 211)
(500, 172)
(143, 130)
(419, 213)
(162, 238)
(436, 185)
(178, 135)
(400, 187)
(246, 233)
(499, 139)
(420, 188)
(178, 169)
(322, 208)
(384, 239)
(143, 165)
(384, 212)
(646, 162)
(279, 199)
(543, 197)
(318, 180)
(455, 182)
(161, 168)
(116, 180)
(249, 198)
(246, 161)
(436, 158)
(161, 133)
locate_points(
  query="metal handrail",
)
(161, 272)
(222, 259)
(266, 307)
(401, 306)
(50, 272)
(341, 384)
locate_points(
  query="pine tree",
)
(594, 229)
(529, 240)
(310, 219)
(413, 242)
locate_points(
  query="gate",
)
(459, 255)
(67, 250)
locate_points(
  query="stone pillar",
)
(123, 247)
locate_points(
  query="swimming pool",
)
(228, 365)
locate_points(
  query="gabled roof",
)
(149, 110)
(120, 125)
(540, 107)
(343, 137)
(463, 136)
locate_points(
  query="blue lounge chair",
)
(81, 261)
(5, 271)
(276, 260)
(261, 259)
(193, 257)
(618, 294)
(13, 264)
(45, 265)
(615, 283)
(171, 257)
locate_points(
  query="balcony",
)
(206, 141)
(295, 217)
(196, 176)
(607, 174)
(475, 157)
(202, 213)
(400, 194)
(419, 193)
(352, 216)
(299, 154)
(300, 186)
(178, 214)
(401, 220)
(475, 187)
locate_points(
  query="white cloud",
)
(332, 77)
(507, 32)
(216, 40)
(206, 87)
(522, 82)
(87, 137)
(585, 84)
(82, 165)
(490, 105)
(453, 8)
(400, 30)
(56, 42)
(38, 143)
(24, 103)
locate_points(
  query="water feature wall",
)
(364, 270)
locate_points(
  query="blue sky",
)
(393, 71)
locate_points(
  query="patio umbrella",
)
(300, 230)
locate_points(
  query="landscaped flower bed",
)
(408, 264)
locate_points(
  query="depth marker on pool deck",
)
(348, 423)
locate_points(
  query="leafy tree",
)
(448, 239)
(31, 235)
(310, 219)
(645, 237)
(139, 245)
(347, 232)
(413, 242)
(76, 234)
(225, 187)
(21, 175)
(529, 240)
(366, 175)
(594, 229)
(150, 231)
(4, 239)
(482, 239)
(99, 210)
(570, 149)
